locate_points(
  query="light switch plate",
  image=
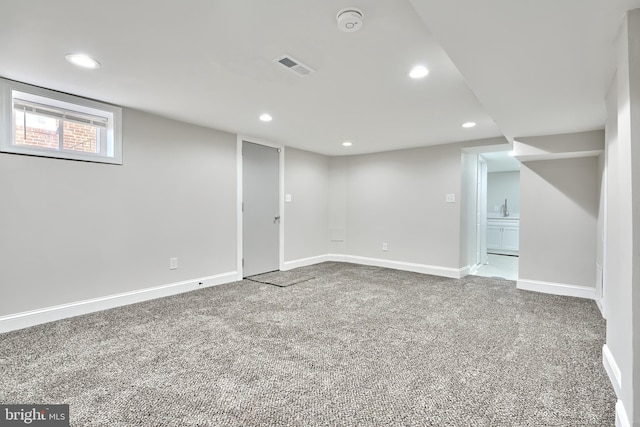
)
(173, 263)
(450, 198)
(287, 198)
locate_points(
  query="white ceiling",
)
(536, 67)
(501, 161)
(539, 67)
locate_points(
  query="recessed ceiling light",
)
(266, 117)
(347, 144)
(418, 72)
(469, 125)
(82, 60)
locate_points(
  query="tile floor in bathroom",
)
(504, 266)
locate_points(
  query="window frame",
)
(111, 145)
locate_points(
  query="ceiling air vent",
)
(294, 65)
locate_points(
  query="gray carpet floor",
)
(355, 345)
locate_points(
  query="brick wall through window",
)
(76, 136)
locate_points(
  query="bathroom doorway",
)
(499, 214)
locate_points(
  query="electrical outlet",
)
(287, 198)
(450, 198)
(385, 247)
(173, 263)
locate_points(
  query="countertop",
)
(500, 217)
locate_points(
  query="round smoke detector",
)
(350, 19)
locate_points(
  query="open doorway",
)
(499, 214)
(490, 212)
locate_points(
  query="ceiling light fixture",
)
(347, 144)
(468, 125)
(418, 72)
(82, 60)
(266, 117)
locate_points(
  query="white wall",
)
(306, 178)
(500, 186)
(571, 145)
(75, 230)
(337, 208)
(617, 275)
(558, 222)
(622, 245)
(630, 121)
(398, 197)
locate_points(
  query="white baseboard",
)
(303, 262)
(474, 269)
(600, 304)
(615, 376)
(466, 270)
(612, 369)
(49, 314)
(455, 273)
(622, 420)
(557, 288)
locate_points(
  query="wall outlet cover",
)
(450, 198)
(173, 263)
(287, 198)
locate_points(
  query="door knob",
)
(276, 218)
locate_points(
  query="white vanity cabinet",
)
(503, 236)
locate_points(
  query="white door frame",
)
(239, 196)
(482, 209)
(601, 279)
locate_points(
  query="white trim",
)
(466, 270)
(599, 292)
(63, 311)
(61, 101)
(600, 304)
(622, 420)
(336, 258)
(605, 228)
(304, 262)
(239, 205)
(454, 273)
(557, 288)
(522, 158)
(612, 369)
(474, 269)
(281, 149)
(281, 160)
(482, 206)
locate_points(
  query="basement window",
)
(42, 122)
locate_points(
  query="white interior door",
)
(261, 217)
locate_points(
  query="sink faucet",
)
(505, 209)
